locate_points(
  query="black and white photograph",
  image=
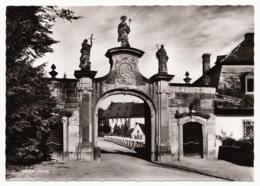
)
(129, 92)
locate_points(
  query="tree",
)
(103, 124)
(124, 129)
(117, 130)
(28, 30)
(29, 103)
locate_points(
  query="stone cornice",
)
(124, 50)
(199, 114)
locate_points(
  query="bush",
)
(225, 139)
(230, 141)
(101, 134)
(245, 144)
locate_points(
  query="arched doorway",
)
(192, 140)
(150, 120)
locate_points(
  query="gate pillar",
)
(163, 93)
(85, 148)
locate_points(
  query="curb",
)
(191, 170)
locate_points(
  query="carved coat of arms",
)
(125, 67)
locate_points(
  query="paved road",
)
(118, 163)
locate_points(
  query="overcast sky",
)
(186, 32)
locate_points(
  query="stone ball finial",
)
(53, 73)
(187, 79)
(53, 67)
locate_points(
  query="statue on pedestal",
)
(162, 57)
(123, 31)
(85, 54)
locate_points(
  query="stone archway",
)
(146, 99)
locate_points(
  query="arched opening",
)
(120, 110)
(192, 140)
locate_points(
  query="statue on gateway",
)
(123, 31)
(85, 54)
(162, 57)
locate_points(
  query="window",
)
(248, 129)
(249, 83)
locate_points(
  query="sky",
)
(185, 31)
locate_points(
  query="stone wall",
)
(66, 93)
(179, 101)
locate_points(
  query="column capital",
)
(163, 91)
(162, 77)
(85, 73)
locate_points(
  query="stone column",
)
(65, 139)
(180, 153)
(85, 88)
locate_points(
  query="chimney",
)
(205, 63)
(249, 36)
(219, 58)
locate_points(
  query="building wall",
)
(179, 100)
(231, 124)
(135, 133)
(118, 121)
(121, 121)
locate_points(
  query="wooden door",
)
(192, 140)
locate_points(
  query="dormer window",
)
(249, 83)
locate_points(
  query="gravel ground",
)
(118, 163)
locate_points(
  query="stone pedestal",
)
(85, 89)
(86, 151)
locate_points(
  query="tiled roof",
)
(229, 102)
(142, 126)
(129, 132)
(244, 52)
(124, 110)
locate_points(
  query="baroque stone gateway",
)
(179, 117)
